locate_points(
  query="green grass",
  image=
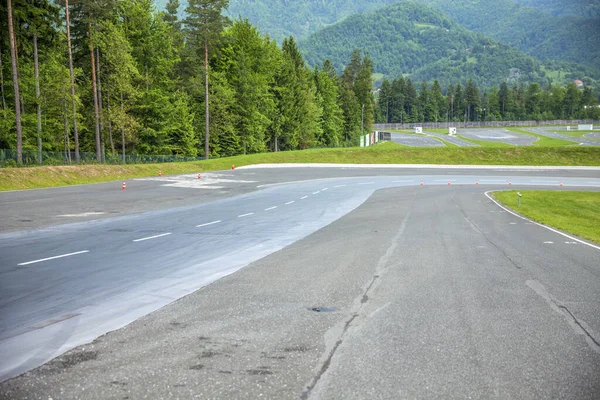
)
(578, 134)
(543, 141)
(573, 212)
(487, 144)
(387, 153)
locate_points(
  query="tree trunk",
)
(36, 72)
(15, 72)
(100, 100)
(2, 86)
(110, 137)
(123, 129)
(75, 130)
(206, 109)
(95, 94)
(66, 124)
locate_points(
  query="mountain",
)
(564, 30)
(408, 39)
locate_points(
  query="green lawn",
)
(577, 134)
(573, 212)
(387, 153)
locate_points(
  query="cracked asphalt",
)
(428, 292)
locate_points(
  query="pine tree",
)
(204, 24)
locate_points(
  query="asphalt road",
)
(423, 291)
(497, 135)
(452, 139)
(549, 132)
(415, 140)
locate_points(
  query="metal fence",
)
(8, 158)
(482, 124)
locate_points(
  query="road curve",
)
(65, 285)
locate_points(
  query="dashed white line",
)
(270, 208)
(152, 237)
(53, 258)
(207, 224)
(366, 183)
(245, 215)
(339, 186)
(289, 202)
(317, 192)
(403, 181)
(322, 190)
(302, 198)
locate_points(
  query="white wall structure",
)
(585, 127)
(451, 131)
(362, 141)
(418, 129)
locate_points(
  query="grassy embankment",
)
(573, 212)
(388, 153)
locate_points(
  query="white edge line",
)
(54, 258)
(207, 224)
(324, 189)
(538, 224)
(270, 208)
(152, 237)
(317, 192)
(339, 186)
(302, 198)
(245, 215)
(289, 202)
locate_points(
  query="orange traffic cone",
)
(199, 176)
(232, 167)
(159, 173)
(124, 187)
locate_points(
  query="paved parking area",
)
(452, 139)
(416, 140)
(498, 135)
(551, 132)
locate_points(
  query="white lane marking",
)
(538, 224)
(270, 208)
(548, 242)
(490, 181)
(317, 192)
(302, 198)
(513, 223)
(366, 183)
(406, 180)
(54, 258)
(339, 186)
(245, 215)
(553, 182)
(443, 180)
(322, 190)
(86, 214)
(207, 224)
(152, 237)
(289, 202)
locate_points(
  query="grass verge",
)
(573, 212)
(387, 153)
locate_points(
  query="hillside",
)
(411, 39)
(548, 30)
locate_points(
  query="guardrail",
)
(8, 158)
(482, 124)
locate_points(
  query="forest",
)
(401, 101)
(122, 78)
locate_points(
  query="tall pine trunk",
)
(66, 125)
(95, 94)
(123, 129)
(15, 72)
(110, 136)
(100, 100)
(36, 72)
(2, 86)
(206, 108)
(75, 131)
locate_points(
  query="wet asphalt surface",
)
(497, 135)
(414, 140)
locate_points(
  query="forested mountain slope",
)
(546, 30)
(411, 39)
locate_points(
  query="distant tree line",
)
(400, 101)
(117, 77)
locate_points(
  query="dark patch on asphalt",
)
(296, 349)
(259, 371)
(209, 354)
(364, 299)
(203, 338)
(323, 309)
(225, 372)
(117, 383)
(197, 367)
(67, 361)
